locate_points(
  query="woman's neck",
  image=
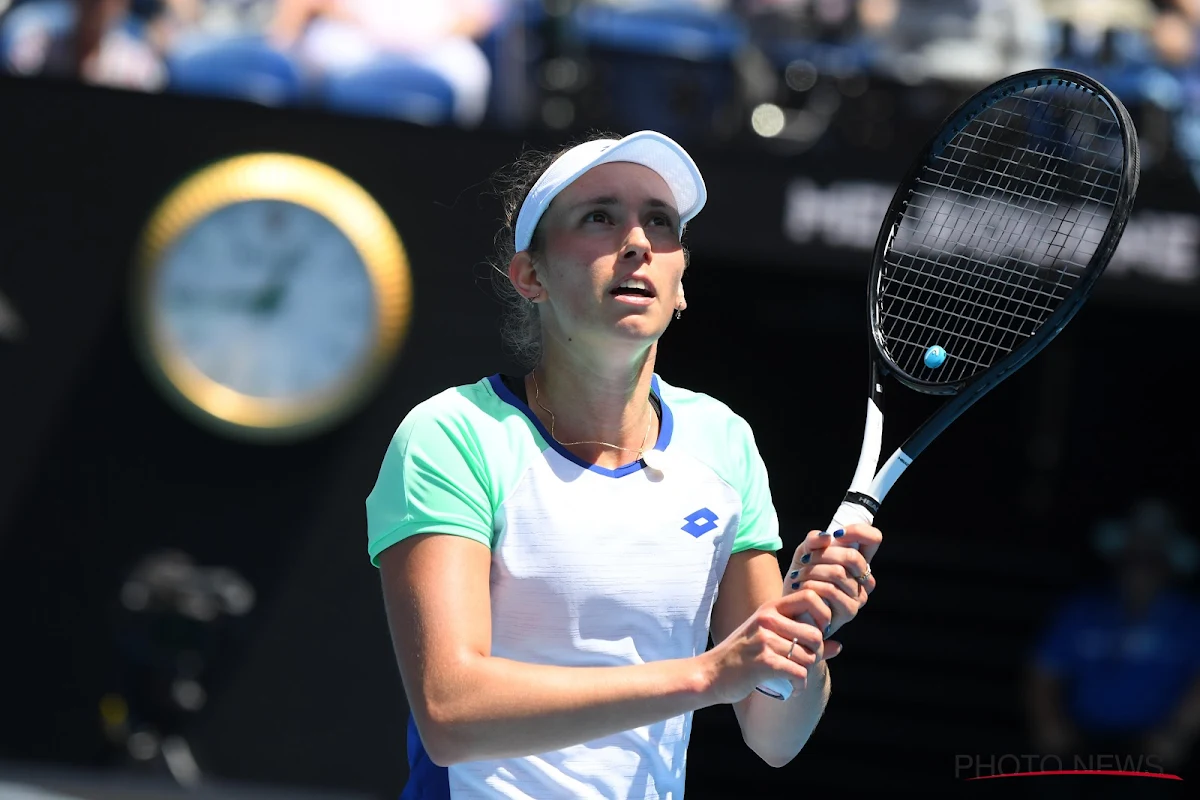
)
(587, 401)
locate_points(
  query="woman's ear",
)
(523, 274)
(680, 300)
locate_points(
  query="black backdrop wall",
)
(96, 469)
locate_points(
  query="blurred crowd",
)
(687, 66)
(428, 61)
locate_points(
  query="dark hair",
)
(520, 328)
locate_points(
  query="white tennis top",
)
(590, 566)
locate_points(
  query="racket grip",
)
(848, 513)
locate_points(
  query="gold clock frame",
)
(322, 189)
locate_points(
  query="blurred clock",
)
(271, 293)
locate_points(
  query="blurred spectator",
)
(634, 5)
(971, 41)
(443, 36)
(1145, 52)
(171, 20)
(97, 41)
(913, 41)
(1173, 31)
(1129, 34)
(817, 20)
(1117, 671)
(412, 59)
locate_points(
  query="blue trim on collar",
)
(665, 430)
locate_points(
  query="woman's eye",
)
(596, 216)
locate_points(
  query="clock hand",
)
(226, 300)
(271, 296)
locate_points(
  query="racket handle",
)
(848, 513)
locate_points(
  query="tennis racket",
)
(992, 242)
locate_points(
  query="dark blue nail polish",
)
(823, 533)
(839, 534)
(796, 585)
(804, 559)
(828, 628)
(794, 573)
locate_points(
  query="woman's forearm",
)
(777, 731)
(497, 708)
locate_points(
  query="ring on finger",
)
(793, 647)
(862, 579)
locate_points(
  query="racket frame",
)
(966, 393)
(954, 123)
(871, 483)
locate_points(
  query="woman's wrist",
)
(702, 677)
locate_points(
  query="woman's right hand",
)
(758, 648)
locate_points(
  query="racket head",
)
(979, 254)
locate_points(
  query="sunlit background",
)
(202, 359)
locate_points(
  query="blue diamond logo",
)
(700, 522)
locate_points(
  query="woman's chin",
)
(640, 327)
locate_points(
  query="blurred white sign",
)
(1160, 245)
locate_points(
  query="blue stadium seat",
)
(393, 87)
(666, 67)
(241, 67)
(855, 56)
(669, 29)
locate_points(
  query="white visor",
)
(648, 148)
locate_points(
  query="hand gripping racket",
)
(994, 239)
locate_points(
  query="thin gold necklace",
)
(537, 398)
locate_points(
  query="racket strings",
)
(998, 230)
(1054, 247)
(946, 216)
(1007, 229)
(988, 305)
(972, 281)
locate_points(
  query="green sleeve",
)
(759, 525)
(432, 480)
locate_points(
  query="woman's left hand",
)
(825, 557)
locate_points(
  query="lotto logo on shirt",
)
(700, 522)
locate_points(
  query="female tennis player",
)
(557, 548)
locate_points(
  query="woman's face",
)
(616, 224)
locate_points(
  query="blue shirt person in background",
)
(1116, 672)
